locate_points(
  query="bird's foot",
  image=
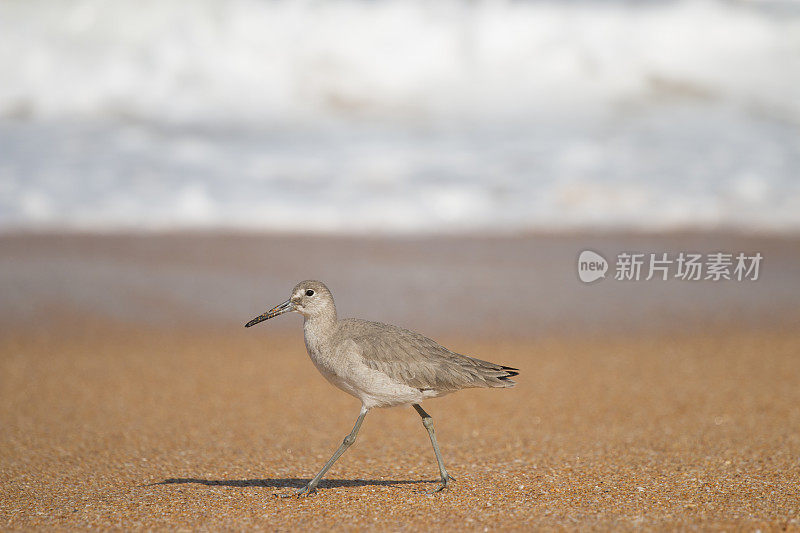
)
(445, 483)
(305, 491)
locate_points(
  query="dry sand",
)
(118, 426)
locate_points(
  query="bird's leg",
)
(427, 421)
(346, 443)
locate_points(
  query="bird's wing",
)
(417, 361)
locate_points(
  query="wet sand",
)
(131, 397)
(108, 426)
(522, 286)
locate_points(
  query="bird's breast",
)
(331, 360)
(342, 365)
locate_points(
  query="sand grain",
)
(118, 427)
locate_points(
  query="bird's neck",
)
(322, 325)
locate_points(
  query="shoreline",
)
(521, 286)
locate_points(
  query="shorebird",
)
(381, 365)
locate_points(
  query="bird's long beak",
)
(285, 307)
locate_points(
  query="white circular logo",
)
(591, 266)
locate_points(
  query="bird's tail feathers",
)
(505, 379)
(496, 375)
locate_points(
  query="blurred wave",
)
(399, 115)
(244, 60)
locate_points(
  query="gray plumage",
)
(380, 364)
(416, 360)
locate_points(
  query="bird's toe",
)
(305, 491)
(443, 484)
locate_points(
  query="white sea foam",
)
(248, 59)
(399, 115)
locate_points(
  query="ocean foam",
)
(399, 116)
(245, 60)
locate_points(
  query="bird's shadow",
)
(285, 483)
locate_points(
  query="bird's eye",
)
(310, 292)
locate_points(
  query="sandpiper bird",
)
(380, 364)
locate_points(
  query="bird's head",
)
(309, 298)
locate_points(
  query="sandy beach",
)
(601, 194)
(129, 401)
